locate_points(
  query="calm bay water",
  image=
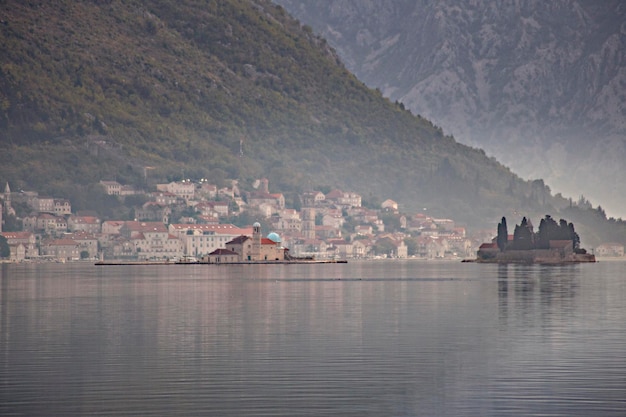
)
(401, 338)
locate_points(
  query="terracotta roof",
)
(334, 194)
(488, 246)
(16, 235)
(223, 252)
(238, 240)
(81, 236)
(85, 219)
(145, 226)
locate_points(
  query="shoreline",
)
(299, 262)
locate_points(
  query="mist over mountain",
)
(149, 91)
(539, 85)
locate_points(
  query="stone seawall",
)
(538, 256)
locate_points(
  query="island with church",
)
(257, 249)
(554, 243)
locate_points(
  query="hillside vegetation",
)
(148, 91)
(543, 79)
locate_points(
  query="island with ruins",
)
(553, 243)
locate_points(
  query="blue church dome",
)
(274, 237)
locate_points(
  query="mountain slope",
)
(150, 91)
(541, 79)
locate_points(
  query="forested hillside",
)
(144, 91)
(543, 79)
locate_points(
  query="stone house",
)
(219, 256)
(275, 201)
(183, 189)
(340, 248)
(165, 198)
(488, 250)
(152, 240)
(402, 250)
(153, 211)
(29, 223)
(112, 227)
(45, 223)
(287, 224)
(26, 239)
(206, 190)
(23, 245)
(213, 208)
(61, 249)
(363, 215)
(119, 247)
(350, 199)
(610, 249)
(312, 198)
(334, 195)
(62, 207)
(129, 190)
(242, 246)
(361, 248)
(111, 187)
(17, 252)
(389, 205)
(43, 204)
(327, 232)
(87, 242)
(89, 224)
(333, 219)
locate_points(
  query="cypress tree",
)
(503, 235)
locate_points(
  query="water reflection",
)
(526, 289)
(402, 339)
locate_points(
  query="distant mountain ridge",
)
(540, 85)
(142, 91)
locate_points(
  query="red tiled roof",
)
(223, 252)
(217, 228)
(238, 240)
(85, 219)
(145, 226)
(81, 236)
(16, 235)
(334, 194)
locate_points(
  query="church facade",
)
(255, 248)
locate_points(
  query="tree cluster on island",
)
(524, 238)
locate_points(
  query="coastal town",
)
(188, 221)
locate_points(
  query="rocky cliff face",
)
(539, 85)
